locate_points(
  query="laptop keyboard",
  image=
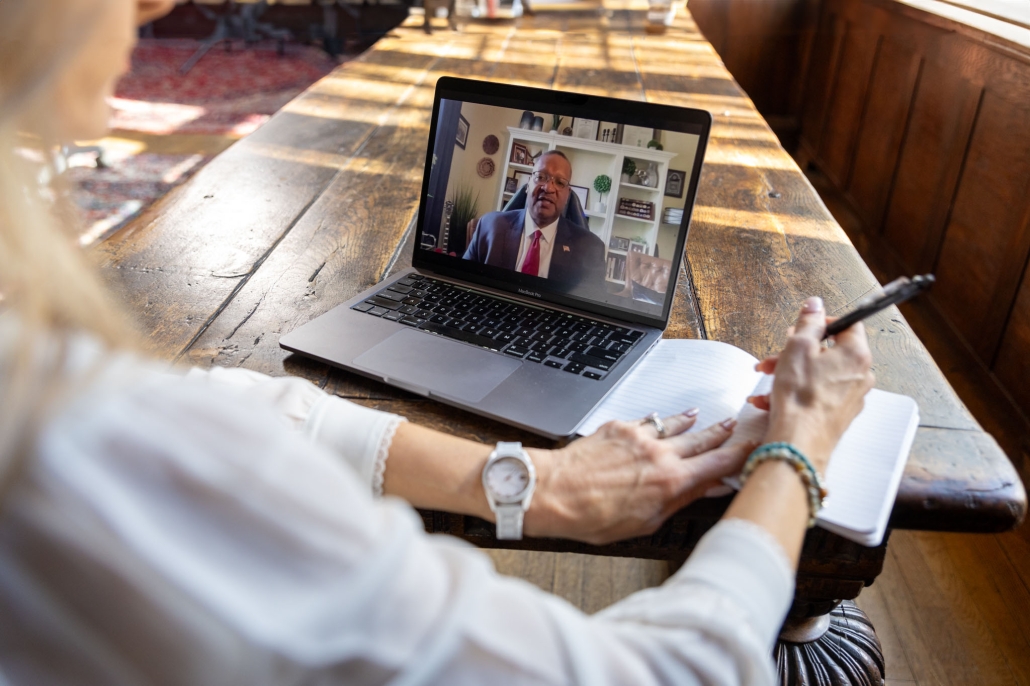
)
(574, 344)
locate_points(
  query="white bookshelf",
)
(589, 159)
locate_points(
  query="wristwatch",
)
(509, 479)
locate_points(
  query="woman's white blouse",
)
(220, 528)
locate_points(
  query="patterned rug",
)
(227, 93)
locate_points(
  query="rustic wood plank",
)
(942, 619)
(874, 603)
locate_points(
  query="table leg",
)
(838, 648)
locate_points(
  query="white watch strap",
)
(509, 522)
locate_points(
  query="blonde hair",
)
(45, 279)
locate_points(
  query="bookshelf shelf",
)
(590, 159)
(633, 219)
(639, 187)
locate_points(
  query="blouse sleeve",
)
(359, 435)
(176, 533)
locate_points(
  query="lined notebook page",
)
(866, 467)
(679, 374)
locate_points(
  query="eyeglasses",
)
(545, 178)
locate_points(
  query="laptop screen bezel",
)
(565, 104)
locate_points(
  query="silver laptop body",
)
(462, 326)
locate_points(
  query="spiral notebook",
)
(865, 469)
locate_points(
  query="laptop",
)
(549, 236)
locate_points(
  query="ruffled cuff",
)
(360, 435)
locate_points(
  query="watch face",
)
(508, 477)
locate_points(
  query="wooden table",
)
(320, 202)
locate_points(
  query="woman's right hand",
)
(816, 393)
(817, 390)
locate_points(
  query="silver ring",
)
(654, 420)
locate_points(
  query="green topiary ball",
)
(629, 167)
(603, 183)
(655, 144)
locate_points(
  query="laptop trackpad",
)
(417, 359)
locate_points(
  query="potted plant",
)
(602, 184)
(629, 168)
(465, 209)
(556, 123)
(655, 145)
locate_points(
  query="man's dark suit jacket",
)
(577, 258)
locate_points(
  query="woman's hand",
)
(816, 393)
(818, 390)
(625, 481)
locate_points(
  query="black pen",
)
(897, 291)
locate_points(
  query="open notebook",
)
(865, 469)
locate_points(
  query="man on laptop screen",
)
(538, 240)
(595, 208)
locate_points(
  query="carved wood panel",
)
(984, 249)
(847, 101)
(923, 125)
(942, 116)
(887, 106)
(825, 57)
(1013, 364)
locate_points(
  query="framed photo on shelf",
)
(637, 136)
(582, 192)
(609, 132)
(511, 184)
(462, 137)
(585, 128)
(520, 154)
(637, 246)
(521, 179)
(618, 243)
(675, 182)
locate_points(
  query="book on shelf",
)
(865, 469)
(615, 269)
(672, 215)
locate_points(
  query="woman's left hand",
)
(625, 481)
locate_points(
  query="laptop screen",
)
(578, 200)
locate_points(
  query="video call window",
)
(593, 207)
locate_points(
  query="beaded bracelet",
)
(788, 453)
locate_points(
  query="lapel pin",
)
(566, 248)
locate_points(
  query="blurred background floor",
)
(166, 125)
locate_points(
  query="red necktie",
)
(531, 265)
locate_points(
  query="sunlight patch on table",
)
(784, 224)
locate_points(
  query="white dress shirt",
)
(219, 528)
(546, 245)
